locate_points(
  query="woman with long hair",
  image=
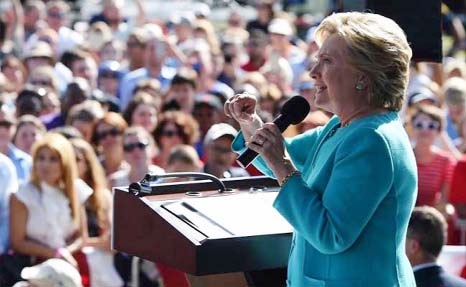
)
(98, 213)
(46, 215)
(98, 205)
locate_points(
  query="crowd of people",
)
(85, 108)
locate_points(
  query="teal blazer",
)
(351, 204)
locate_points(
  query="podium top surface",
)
(212, 216)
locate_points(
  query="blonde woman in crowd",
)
(46, 214)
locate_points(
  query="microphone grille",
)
(295, 109)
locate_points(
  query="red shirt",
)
(250, 67)
(432, 177)
(458, 183)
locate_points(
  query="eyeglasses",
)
(426, 125)
(103, 134)
(170, 133)
(131, 146)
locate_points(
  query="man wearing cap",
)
(220, 157)
(109, 76)
(39, 54)
(207, 111)
(281, 32)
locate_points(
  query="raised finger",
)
(226, 109)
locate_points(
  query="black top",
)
(435, 276)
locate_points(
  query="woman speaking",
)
(348, 187)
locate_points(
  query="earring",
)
(359, 86)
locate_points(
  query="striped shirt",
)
(432, 177)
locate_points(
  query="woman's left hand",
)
(269, 143)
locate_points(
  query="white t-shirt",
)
(49, 214)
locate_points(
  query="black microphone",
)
(293, 112)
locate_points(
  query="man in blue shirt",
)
(156, 51)
(9, 185)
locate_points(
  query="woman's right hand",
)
(242, 108)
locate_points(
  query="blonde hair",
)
(65, 152)
(377, 47)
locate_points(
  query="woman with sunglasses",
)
(138, 148)
(435, 166)
(174, 128)
(109, 141)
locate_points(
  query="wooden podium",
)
(190, 227)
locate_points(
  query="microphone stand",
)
(144, 186)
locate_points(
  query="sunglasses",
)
(170, 133)
(426, 125)
(41, 83)
(109, 75)
(113, 132)
(59, 15)
(131, 146)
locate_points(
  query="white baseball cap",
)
(219, 130)
(280, 26)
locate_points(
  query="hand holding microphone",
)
(267, 140)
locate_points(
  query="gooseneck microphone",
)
(293, 112)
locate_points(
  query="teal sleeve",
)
(361, 177)
(301, 147)
(294, 146)
(239, 146)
